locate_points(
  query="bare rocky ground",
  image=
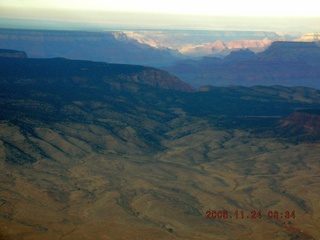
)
(74, 191)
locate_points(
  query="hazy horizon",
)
(187, 15)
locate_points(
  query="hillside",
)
(54, 71)
(91, 150)
(301, 125)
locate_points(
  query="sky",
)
(198, 14)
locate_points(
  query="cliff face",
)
(284, 52)
(309, 37)
(113, 47)
(219, 48)
(283, 63)
(206, 43)
(12, 54)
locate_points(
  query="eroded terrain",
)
(103, 151)
(76, 192)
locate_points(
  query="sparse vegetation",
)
(108, 159)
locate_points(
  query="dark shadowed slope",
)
(303, 125)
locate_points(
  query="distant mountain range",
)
(113, 47)
(283, 63)
(221, 49)
(204, 43)
(195, 44)
(260, 61)
(152, 48)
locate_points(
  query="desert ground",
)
(117, 191)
